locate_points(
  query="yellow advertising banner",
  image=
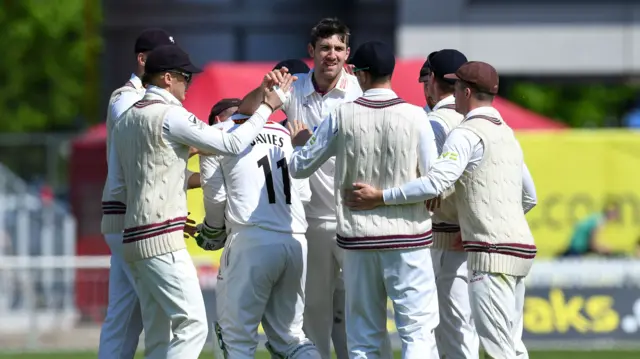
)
(576, 173)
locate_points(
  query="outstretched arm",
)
(317, 150)
(456, 154)
(251, 101)
(183, 127)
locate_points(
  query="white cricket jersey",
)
(307, 105)
(256, 185)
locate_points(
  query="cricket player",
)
(263, 272)
(223, 109)
(379, 138)
(483, 160)
(123, 322)
(456, 335)
(338, 331)
(151, 142)
(424, 73)
(315, 95)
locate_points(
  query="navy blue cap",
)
(426, 69)
(375, 57)
(151, 38)
(169, 57)
(295, 66)
(446, 61)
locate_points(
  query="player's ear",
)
(310, 50)
(142, 58)
(348, 52)
(217, 120)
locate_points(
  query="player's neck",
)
(384, 85)
(139, 72)
(323, 85)
(441, 96)
(477, 104)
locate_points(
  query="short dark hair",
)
(476, 93)
(379, 79)
(328, 27)
(444, 85)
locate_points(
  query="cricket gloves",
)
(210, 238)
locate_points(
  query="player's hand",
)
(190, 228)
(457, 243)
(433, 203)
(362, 197)
(272, 99)
(273, 78)
(210, 238)
(299, 133)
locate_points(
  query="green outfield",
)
(264, 355)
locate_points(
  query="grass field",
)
(264, 355)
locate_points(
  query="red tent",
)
(88, 159)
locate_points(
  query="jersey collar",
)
(166, 95)
(449, 100)
(341, 85)
(484, 110)
(136, 82)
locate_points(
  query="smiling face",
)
(329, 55)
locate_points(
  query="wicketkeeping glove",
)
(210, 238)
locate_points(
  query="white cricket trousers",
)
(123, 323)
(173, 312)
(406, 277)
(324, 275)
(497, 303)
(324, 311)
(261, 280)
(455, 335)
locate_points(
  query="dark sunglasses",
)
(187, 76)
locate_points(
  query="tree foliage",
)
(48, 66)
(578, 105)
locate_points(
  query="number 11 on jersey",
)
(266, 168)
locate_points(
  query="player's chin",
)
(331, 70)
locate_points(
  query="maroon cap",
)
(481, 75)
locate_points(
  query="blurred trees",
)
(578, 105)
(48, 68)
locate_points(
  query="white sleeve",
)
(320, 147)
(456, 154)
(183, 127)
(428, 150)
(529, 198)
(115, 177)
(214, 191)
(124, 101)
(440, 133)
(304, 189)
